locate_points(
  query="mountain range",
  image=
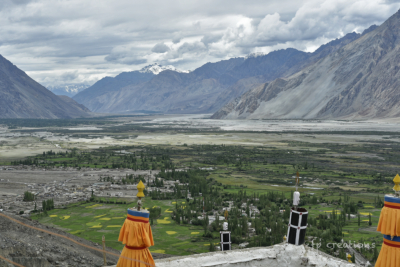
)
(204, 90)
(22, 97)
(360, 80)
(353, 77)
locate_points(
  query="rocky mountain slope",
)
(30, 247)
(22, 97)
(358, 81)
(204, 90)
(73, 103)
(259, 69)
(95, 96)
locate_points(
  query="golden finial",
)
(284, 238)
(396, 187)
(226, 214)
(140, 188)
(140, 194)
(349, 257)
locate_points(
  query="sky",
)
(61, 42)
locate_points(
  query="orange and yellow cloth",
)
(389, 221)
(389, 226)
(390, 252)
(136, 235)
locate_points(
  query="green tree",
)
(212, 247)
(376, 254)
(28, 196)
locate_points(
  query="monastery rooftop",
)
(281, 255)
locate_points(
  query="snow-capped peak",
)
(256, 54)
(67, 89)
(156, 68)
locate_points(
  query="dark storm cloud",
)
(195, 47)
(125, 56)
(70, 76)
(85, 40)
(211, 38)
(177, 37)
(160, 48)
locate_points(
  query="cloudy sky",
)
(80, 41)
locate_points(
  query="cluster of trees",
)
(106, 179)
(28, 161)
(157, 182)
(378, 203)
(133, 179)
(146, 159)
(47, 205)
(28, 196)
(157, 194)
(155, 212)
(270, 225)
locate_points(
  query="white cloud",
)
(82, 41)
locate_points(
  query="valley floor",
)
(340, 162)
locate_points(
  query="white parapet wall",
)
(281, 255)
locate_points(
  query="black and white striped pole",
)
(298, 220)
(225, 236)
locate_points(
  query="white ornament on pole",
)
(296, 198)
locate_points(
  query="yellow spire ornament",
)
(396, 186)
(140, 194)
(349, 258)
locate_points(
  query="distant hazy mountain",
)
(168, 91)
(100, 95)
(357, 81)
(97, 96)
(68, 89)
(22, 97)
(204, 90)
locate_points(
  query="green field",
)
(91, 221)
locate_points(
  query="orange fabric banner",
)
(137, 236)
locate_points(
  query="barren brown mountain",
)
(22, 97)
(359, 81)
